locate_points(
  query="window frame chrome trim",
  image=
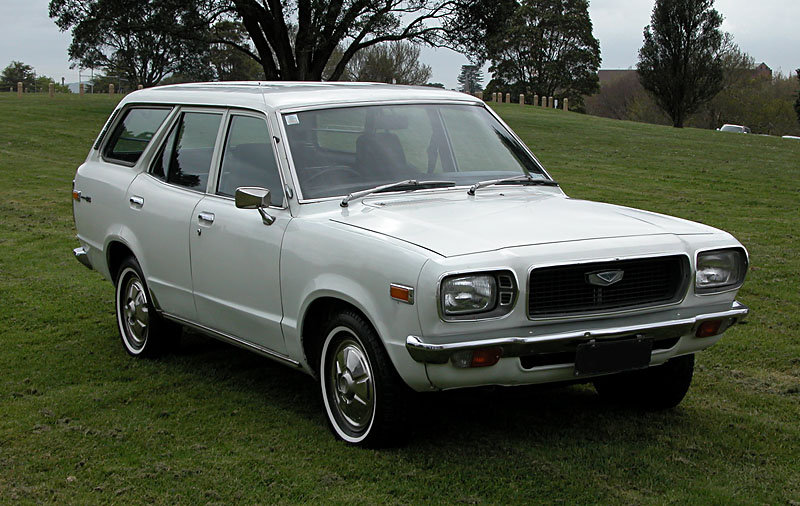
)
(601, 314)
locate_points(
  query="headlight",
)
(720, 270)
(487, 294)
(468, 294)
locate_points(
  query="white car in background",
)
(385, 239)
(737, 129)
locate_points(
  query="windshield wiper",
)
(408, 184)
(524, 179)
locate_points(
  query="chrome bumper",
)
(82, 257)
(549, 343)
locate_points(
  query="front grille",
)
(565, 290)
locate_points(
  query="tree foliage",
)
(17, 72)
(797, 104)
(289, 39)
(536, 47)
(680, 62)
(470, 79)
(395, 62)
(297, 39)
(141, 41)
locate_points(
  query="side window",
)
(132, 135)
(185, 157)
(248, 159)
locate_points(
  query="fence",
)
(51, 91)
(546, 102)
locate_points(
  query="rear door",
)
(162, 202)
(235, 256)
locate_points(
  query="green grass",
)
(82, 422)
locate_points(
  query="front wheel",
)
(362, 393)
(660, 387)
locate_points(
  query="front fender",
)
(330, 262)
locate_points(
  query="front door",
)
(235, 256)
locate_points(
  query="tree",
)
(141, 41)
(301, 51)
(797, 104)
(470, 79)
(17, 72)
(536, 47)
(680, 61)
(291, 39)
(395, 62)
(227, 62)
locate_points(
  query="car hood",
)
(453, 224)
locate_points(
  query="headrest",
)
(391, 121)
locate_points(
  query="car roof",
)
(286, 94)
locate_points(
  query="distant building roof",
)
(762, 69)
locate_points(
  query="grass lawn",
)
(82, 422)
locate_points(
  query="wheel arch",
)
(117, 248)
(316, 315)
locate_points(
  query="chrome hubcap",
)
(135, 313)
(351, 384)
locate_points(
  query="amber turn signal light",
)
(401, 293)
(76, 195)
(482, 357)
(708, 328)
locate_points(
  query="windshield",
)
(344, 150)
(732, 128)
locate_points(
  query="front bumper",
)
(82, 256)
(431, 353)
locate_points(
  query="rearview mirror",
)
(250, 197)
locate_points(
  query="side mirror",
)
(255, 198)
(252, 197)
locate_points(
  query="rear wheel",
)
(143, 331)
(660, 387)
(362, 393)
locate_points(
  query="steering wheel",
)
(328, 170)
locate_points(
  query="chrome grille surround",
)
(563, 290)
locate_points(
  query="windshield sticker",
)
(292, 119)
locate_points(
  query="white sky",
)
(766, 29)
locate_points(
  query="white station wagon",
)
(385, 239)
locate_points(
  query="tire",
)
(363, 395)
(656, 388)
(143, 331)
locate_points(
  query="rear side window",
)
(132, 135)
(185, 157)
(248, 159)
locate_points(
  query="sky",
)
(766, 29)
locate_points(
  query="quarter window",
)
(185, 157)
(248, 159)
(133, 133)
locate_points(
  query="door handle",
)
(206, 217)
(136, 201)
